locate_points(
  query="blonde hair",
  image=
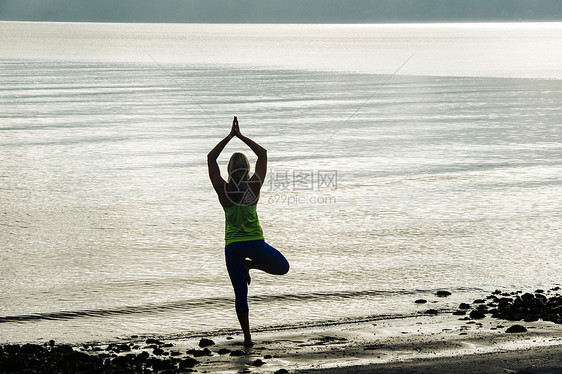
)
(238, 168)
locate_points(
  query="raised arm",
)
(214, 170)
(261, 152)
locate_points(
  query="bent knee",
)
(283, 268)
(287, 267)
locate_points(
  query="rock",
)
(464, 306)
(482, 308)
(121, 361)
(62, 349)
(153, 341)
(459, 313)
(223, 351)
(237, 353)
(118, 348)
(188, 363)
(505, 301)
(267, 357)
(478, 301)
(516, 329)
(282, 371)
(206, 342)
(158, 351)
(443, 293)
(258, 362)
(527, 296)
(200, 352)
(158, 364)
(175, 353)
(167, 345)
(31, 349)
(420, 301)
(531, 318)
(476, 314)
(432, 312)
(52, 343)
(13, 364)
(143, 356)
(32, 358)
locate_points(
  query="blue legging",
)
(259, 252)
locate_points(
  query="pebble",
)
(258, 362)
(237, 353)
(476, 314)
(206, 342)
(200, 352)
(516, 329)
(153, 341)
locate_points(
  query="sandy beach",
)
(433, 341)
(407, 345)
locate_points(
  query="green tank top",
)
(242, 223)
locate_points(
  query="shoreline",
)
(409, 345)
(535, 360)
(442, 342)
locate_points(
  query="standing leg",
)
(245, 325)
(237, 272)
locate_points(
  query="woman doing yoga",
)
(245, 246)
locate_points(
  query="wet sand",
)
(438, 342)
(441, 343)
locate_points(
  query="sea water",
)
(403, 160)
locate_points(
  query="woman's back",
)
(242, 223)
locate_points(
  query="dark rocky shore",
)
(155, 356)
(516, 306)
(52, 358)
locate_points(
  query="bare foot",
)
(248, 343)
(247, 264)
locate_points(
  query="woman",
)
(245, 246)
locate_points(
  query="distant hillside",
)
(281, 11)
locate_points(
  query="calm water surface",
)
(383, 188)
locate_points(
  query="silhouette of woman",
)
(245, 246)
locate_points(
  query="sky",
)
(281, 11)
